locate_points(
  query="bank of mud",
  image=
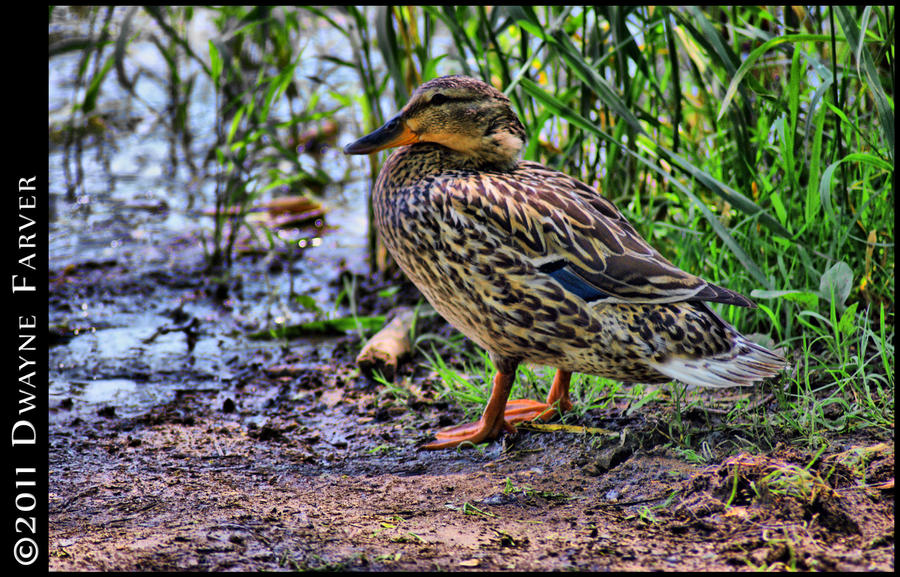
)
(283, 456)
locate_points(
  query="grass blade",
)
(387, 44)
(747, 65)
(734, 197)
(864, 60)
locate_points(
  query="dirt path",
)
(257, 457)
(332, 480)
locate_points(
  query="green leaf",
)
(277, 87)
(813, 201)
(771, 314)
(786, 137)
(430, 70)
(389, 291)
(235, 122)
(534, 29)
(714, 38)
(847, 324)
(778, 205)
(808, 299)
(308, 303)
(93, 90)
(837, 280)
(727, 238)
(796, 75)
(215, 62)
(323, 327)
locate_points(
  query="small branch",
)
(388, 346)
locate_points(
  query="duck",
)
(536, 266)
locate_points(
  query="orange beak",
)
(395, 132)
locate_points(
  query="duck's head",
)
(464, 114)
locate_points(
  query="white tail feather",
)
(746, 363)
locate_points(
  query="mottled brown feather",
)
(534, 265)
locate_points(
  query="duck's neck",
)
(498, 151)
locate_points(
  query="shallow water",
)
(131, 219)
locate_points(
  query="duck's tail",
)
(744, 364)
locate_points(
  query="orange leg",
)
(502, 414)
(488, 426)
(521, 410)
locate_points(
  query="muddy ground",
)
(273, 456)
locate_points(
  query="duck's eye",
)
(439, 99)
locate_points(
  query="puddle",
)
(127, 397)
(133, 220)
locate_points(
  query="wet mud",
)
(177, 444)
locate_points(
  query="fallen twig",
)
(389, 345)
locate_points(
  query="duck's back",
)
(483, 248)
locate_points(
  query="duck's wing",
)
(572, 233)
